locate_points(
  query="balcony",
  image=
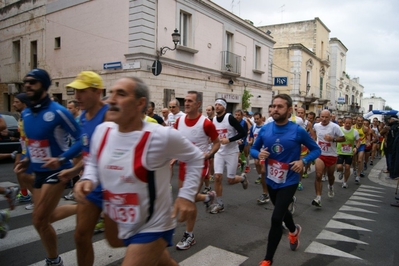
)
(231, 64)
(310, 98)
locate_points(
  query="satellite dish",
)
(156, 68)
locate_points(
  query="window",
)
(370, 107)
(33, 54)
(353, 99)
(57, 43)
(16, 51)
(257, 57)
(229, 41)
(185, 28)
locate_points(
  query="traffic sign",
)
(112, 65)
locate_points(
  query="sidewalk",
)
(376, 174)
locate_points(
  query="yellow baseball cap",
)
(87, 79)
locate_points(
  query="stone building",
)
(219, 54)
(301, 62)
(373, 103)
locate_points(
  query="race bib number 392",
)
(277, 171)
(38, 150)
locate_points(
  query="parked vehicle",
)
(10, 144)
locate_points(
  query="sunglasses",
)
(30, 81)
(172, 106)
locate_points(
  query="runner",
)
(282, 147)
(230, 131)
(138, 153)
(210, 113)
(371, 137)
(88, 87)
(260, 168)
(358, 158)
(377, 141)
(175, 113)
(328, 134)
(165, 114)
(199, 130)
(11, 196)
(150, 113)
(243, 148)
(346, 150)
(46, 125)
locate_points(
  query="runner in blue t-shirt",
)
(47, 125)
(282, 142)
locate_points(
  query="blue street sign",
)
(112, 65)
(280, 81)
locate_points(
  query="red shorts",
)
(328, 160)
(182, 170)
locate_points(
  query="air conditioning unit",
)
(12, 89)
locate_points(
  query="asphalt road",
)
(356, 227)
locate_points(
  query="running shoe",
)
(300, 187)
(247, 169)
(305, 175)
(344, 185)
(371, 162)
(12, 196)
(209, 203)
(30, 206)
(244, 182)
(206, 190)
(4, 217)
(341, 175)
(217, 208)
(291, 207)
(357, 180)
(264, 198)
(100, 227)
(354, 172)
(365, 166)
(69, 196)
(258, 180)
(316, 202)
(265, 263)
(22, 198)
(294, 239)
(361, 174)
(331, 191)
(186, 242)
(324, 178)
(49, 262)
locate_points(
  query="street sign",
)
(341, 100)
(112, 65)
(280, 81)
(156, 68)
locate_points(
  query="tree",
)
(246, 103)
(387, 107)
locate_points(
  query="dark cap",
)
(23, 98)
(40, 75)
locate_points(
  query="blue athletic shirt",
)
(244, 124)
(47, 131)
(88, 127)
(284, 145)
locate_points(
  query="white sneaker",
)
(344, 185)
(29, 206)
(341, 175)
(331, 191)
(357, 180)
(324, 178)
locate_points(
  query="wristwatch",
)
(305, 162)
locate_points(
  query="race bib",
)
(346, 148)
(324, 146)
(277, 171)
(222, 133)
(122, 208)
(38, 150)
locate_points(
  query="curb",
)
(376, 175)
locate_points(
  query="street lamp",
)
(307, 89)
(176, 40)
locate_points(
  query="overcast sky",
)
(368, 28)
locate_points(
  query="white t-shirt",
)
(328, 148)
(172, 118)
(129, 164)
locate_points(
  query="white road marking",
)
(362, 198)
(357, 203)
(369, 190)
(366, 194)
(354, 209)
(319, 248)
(340, 225)
(371, 187)
(341, 215)
(210, 256)
(337, 237)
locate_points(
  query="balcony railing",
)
(231, 64)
